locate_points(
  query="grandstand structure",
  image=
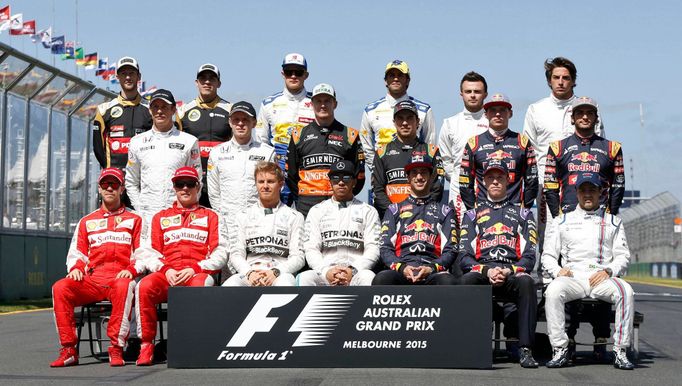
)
(654, 235)
(47, 169)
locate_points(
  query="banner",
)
(384, 326)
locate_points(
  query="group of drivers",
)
(300, 156)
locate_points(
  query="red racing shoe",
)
(68, 356)
(146, 355)
(116, 356)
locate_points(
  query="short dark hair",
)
(551, 64)
(268, 167)
(473, 76)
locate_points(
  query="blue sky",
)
(627, 53)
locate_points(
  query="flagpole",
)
(53, 55)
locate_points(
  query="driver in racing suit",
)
(285, 111)
(342, 235)
(594, 253)
(377, 126)
(206, 118)
(419, 235)
(267, 241)
(184, 245)
(156, 154)
(100, 267)
(498, 246)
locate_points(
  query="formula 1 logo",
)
(316, 322)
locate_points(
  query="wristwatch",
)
(275, 271)
(609, 271)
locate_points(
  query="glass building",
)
(47, 168)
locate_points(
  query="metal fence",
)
(47, 169)
(650, 230)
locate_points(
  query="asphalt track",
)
(28, 343)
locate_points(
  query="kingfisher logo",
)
(315, 323)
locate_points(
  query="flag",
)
(45, 36)
(102, 66)
(16, 24)
(146, 94)
(90, 61)
(78, 55)
(141, 84)
(4, 18)
(108, 74)
(69, 50)
(57, 45)
(28, 28)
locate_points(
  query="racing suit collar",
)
(561, 103)
(295, 97)
(207, 105)
(155, 131)
(495, 204)
(476, 115)
(392, 101)
(246, 146)
(274, 210)
(582, 212)
(106, 213)
(129, 102)
(335, 201)
(497, 134)
(418, 200)
(179, 208)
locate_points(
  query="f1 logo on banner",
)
(437, 327)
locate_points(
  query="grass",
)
(676, 283)
(25, 305)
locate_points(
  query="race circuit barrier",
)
(383, 326)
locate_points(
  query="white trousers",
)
(283, 280)
(313, 278)
(565, 289)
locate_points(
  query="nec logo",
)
(316, 322)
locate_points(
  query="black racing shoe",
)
(621, 360)
(599, 351)
(526, 359)
(560, 356)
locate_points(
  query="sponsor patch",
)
(167, 222)
(200, 222)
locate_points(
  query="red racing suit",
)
(178, 238)
(573, 155)
(102, 246)
(512, 148)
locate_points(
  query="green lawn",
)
(25, 305)
(655, 281)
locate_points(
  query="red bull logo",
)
(499, 155)
(419, 226)
(584, 157)
(497, 229)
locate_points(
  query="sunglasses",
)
(183, 184)
(107, 184)
(345, 178)
(298, 73)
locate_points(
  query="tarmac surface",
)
(28, 343)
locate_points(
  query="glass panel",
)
(31, 82)
(10, 69)
(58, 172)
(72, 98)
(93, 170)
(87, 111)
(36, 208)
(53, 90)
(77, 191)
(14, 165)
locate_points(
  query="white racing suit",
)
(588, 242)
(340, 234)
(377, 126)
(265, 238)
(454, 134)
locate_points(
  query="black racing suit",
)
(210, 123)
(418, 232)
(115, 123)
(512, 148)
(573, 155)
(389, 181)
(312, 150)
(502, 234)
